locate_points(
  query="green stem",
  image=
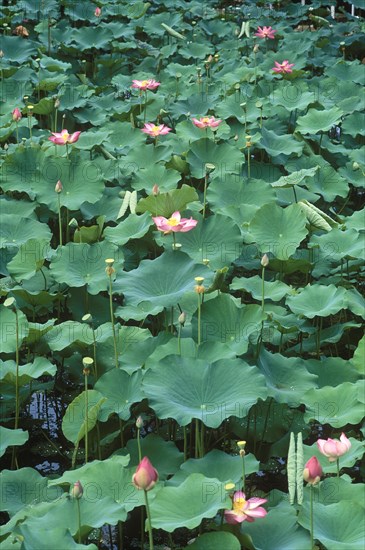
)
(248, 163)
(17, 133)
(311, 516)
(149, 524)
(86, 421)
(263, 289)
(243, 473)
(145, 106)
(79, 520)
(112, 321)
(202, 432)
(185, 444)
(179, 340)
(338, 467)
(17, 370)
(59, 219)
(139, 445)
(199, 319)
(205, 193)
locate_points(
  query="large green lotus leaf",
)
(10, 438)
(133, 227)
(153, 281)
(88, 37)
(336, 406)
(337, 489)
(330, 335)
(355, 302)
(216, 238)
(121, 391)
(23, 209)
(8, 337)
(278, 230)
(65, 334)
(317, 300)
(180, 388)
(31, 371)
(74, 420)
(327, 181)
(84, 264)
(217, 464)
(358, 359)
(354, 124)
(198, 497)
(33, 171)
(123, 135)
(338, 526)
(349, 70)
(220, 539)
(292, 96)
(295, 178)
(278, 530)
(164, 455)
(339, 244)
(232, 190)
(89, 139)
(286, 377)
(29, 259)
(318, 121)
(226, 159)
(165, 204)
(49, 537)
(275, 144)
(95, 511)
(332, 371)
(15, 231)
(107, 478)
(274, 290)
(24, 486)
(144, 156)
(209, 351)
(224, 320)
(17, 49)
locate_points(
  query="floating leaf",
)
(179, 388)
(278, 230)
(196, 498)
(317, 300)
(165, 204)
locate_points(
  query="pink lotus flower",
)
(175, 224)
(265, 32)
(154, 131)
(62, 138)
(312, 471)
(144, 85)
(245, 510)
(146, 475)
(284, 68)
(97, 12)
(206, 122)
(334, 448)
(16, 114)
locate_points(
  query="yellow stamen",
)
(172, 222)
(65, 136)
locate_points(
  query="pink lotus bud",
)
(17, 115)
(139, 422)
(312, 471)
(146, 475)
(155, 190)
(97, 12)
(264, 260)
(59, 187)
(77, 490)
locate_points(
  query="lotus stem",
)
(149, 524)
(206, 178)
(79, 520)
(110, 272)
(145, 106)
(199, 320)
(59, 218)
(16, 370)
(311, 515)
(139, 444)
(243, 472)
(86, 419)
(338, 468)
(185, 444)
(17, 132)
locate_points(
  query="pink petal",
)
(176, 215)
(255, 501)
(345, 441)
(330, 448)
(233, 518)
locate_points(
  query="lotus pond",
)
(182, 354)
